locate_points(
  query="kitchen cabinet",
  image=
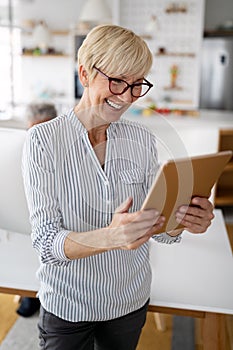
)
(224, 187)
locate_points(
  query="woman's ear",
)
(83, 76)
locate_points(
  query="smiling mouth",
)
(113, 104)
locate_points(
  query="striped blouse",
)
(68, 190)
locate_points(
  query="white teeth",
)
(112, 104)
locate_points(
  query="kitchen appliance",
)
(216, 90)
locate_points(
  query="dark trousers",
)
(117, 334)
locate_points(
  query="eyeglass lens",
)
(118, 87)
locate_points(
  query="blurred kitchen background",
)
(192, 43)
(192, 73)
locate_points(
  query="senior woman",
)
(86, 175)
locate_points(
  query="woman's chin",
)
(111, 114)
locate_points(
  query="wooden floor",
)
(8, 316)
(151, 338)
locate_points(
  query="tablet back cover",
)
(177, 181)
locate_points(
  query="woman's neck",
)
(91, 121)
(96, 131)
(98, 134)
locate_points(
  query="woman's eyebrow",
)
(123, 77)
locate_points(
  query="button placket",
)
(107, 203)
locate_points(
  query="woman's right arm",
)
(126, 231)
(48, 234)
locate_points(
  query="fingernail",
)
(182, 210)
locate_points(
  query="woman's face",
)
(108, 106)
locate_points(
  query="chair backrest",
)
(14, 215)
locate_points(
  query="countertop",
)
(181, 136)
(177, 135)
(206, 118)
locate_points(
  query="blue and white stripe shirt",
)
(68, 190)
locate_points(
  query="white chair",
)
(18, 260)
(14, 214)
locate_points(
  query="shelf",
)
(173, 88)
(53, 32)
(43, 56)
(175, 8)
(176, 54)
(60, 32)
(208, 33)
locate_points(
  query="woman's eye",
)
(117, 82)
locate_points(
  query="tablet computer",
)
(179, 180)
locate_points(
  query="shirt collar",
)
(76, 122)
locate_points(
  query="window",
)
(10, 68)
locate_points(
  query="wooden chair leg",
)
(214, 332)
(160, 321)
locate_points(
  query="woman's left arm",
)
(196, 217)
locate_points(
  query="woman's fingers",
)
(197, 217)
(126, 228)
(125, 206)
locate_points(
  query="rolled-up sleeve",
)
(48, 233)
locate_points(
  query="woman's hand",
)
(126, 231)
(197, 217)
(131, 230)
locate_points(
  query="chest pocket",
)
(132, 183)
(131, 176)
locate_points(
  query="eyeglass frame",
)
(131, 86)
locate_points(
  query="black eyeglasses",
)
(119, 86)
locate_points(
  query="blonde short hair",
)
(116, 51)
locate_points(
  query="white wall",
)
(61, 14)
(58, 14)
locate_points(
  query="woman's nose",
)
(127, 96)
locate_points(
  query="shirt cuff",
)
(165, 238)
(58, 246)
